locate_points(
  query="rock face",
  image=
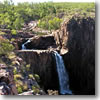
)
(78, 36)
(37, 42)
(76, 42)
(7, 86)
(61, 38)
(42, 63)
(41, 42)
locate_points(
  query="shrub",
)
(35, 89)
(37, 77)
(15, 71)
(11, 55)
(14, 32)
(25, 87)
(54, 23)
(19, 89)
(18, 76)
(47, 23)
(5, 46)
(31, 76)
(28, 67)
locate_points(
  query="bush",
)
(14, 32)
(5, 46)
(35, 89)
(31, 76)
(18, 76)
(25, 87)
(50, 23)
(54, 23)
(15, 72)
(37, 77)
(19, 89)
(28, 67)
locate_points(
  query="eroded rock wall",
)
(80, 59)
(42, 63)
(37, 42)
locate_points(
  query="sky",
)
(16, 1)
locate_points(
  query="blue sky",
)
(16, 1)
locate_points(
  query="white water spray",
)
(23, 45)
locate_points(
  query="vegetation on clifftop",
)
(50, 14)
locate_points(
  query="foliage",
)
(15, 16)
(5, 46)
(50, 23)
(28, 67)
(17, 76)
(25, 87)
(14, 32)
(31, 76)
(54, 23)
(35, 89)
(15, 72)
(37, 77)
(19, 89)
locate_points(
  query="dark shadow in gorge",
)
(42, 63)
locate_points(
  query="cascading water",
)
(62, 74)
(23, 45)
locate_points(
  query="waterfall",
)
(62, 74)
(23, 45)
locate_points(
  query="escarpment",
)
(75, 41)
(80, 59)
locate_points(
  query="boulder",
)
(7, 85)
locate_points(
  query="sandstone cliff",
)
(42, 63)
(77, 37)
(76, 42)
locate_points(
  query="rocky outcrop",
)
(76, 42)
(37, 42)
(42, 63)
(41, 42)
(31, 92)
(61, 38)
(78, 36)
(7, 85)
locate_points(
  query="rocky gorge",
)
(75, 42)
